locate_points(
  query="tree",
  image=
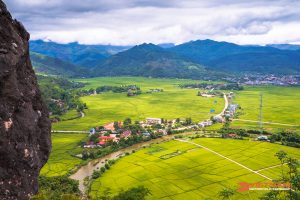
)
(226, 193)
(116, 125)
(281, 155)
(188, 121)
(136, 193)
(95, 138)
(57, 188)
(293, 179)
(127, 121)
(102, 169)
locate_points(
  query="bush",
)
(106, 166)
(102, 169)
(55, 187)
(136, 193)
(96, 174)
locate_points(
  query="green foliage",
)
(227, 86)
(235, 58)
(127, 122)
(102, 169)
(226, 193)
(286, 138)
(61, 96)
(118, 89)
(136, 193)
(152, 60)
(53, 66)
(291, 176)
(96, 174)
(58, 188)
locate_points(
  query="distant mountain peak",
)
(148, 46)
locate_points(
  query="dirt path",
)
(275, 123)
(274, 166)
(225, 158)
(82, 114)
(61, 131)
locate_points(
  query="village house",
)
(232, 135)
(262, 138)
(114, 137)
(162, 131)
(110, 126)
(92, 131)
(90, 144)
(104, 139)
(218, 118)
(126, 134)
(205, 123)
(153, 121)
(146, 134)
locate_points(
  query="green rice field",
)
(61, 160)
(280, 105)
(180, 170)
(170, 104)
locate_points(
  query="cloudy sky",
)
(128, 22)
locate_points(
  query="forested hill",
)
(193, 59)
(54, 66)
(151, 60)
(236, 58)
(78, 54)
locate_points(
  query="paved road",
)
(275, 123)
(225, 158)
(225, 106)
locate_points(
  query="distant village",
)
(291, 80)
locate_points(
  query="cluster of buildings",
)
(205, 124)
(109, 133)
(290, 80)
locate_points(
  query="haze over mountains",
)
(194, 59)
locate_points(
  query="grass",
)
(170, 104)
(71, 114)
(61, 160)
(280, 105)
(194, 173)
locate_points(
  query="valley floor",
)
(196, 169)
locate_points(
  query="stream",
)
(87, 170)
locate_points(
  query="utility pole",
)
(260, 123)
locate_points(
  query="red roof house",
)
(104, 139)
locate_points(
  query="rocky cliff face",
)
(24, 125)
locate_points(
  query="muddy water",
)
(87, 170)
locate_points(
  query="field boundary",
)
(275, 123)
(233, 161)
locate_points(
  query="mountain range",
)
(195, 59)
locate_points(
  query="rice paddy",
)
(179, 170)
(172, 103)
(61, 160)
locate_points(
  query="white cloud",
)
(136, 21)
